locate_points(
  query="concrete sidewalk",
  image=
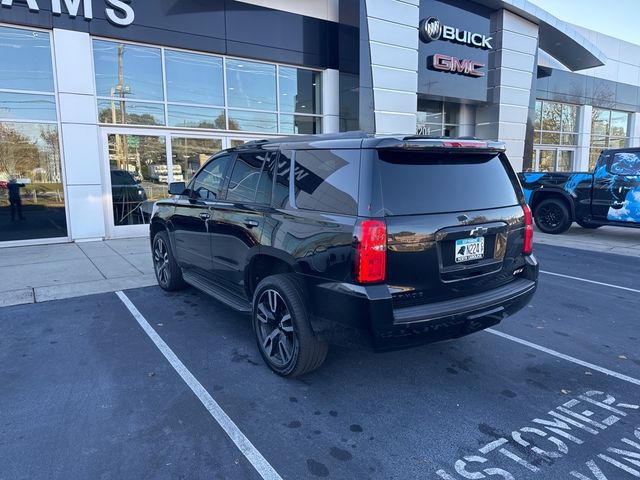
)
(50, 272)
(618, 240)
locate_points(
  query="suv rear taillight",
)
(527, 248)
(371, 251)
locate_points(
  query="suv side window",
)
(625, 163)
(245, 178)
(209, 181)
(281, 187)
(327, 180)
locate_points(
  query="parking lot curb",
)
(71, 290)
(17, 297)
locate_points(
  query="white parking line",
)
(591, 281)
(261, 465)
(568, 358)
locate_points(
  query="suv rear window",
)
(327, 180)
(429, 182)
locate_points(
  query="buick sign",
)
(433, 29)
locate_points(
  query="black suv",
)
(351, 239)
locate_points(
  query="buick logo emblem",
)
(430, 29)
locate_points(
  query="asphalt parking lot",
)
(551, 393)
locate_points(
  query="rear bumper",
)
(363, 316)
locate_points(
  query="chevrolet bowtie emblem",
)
(479, 231)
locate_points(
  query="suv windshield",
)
(429, 182)
(122, 178)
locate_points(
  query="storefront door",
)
(140, 163)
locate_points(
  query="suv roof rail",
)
(307, 138)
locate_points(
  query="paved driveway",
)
(551, 393)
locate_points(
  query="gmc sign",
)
(445, 63)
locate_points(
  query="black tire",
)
(588, 225)
(282, 328)
(167, 270)
(552, 216)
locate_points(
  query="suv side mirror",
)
(177, 188)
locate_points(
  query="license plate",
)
(468, 249)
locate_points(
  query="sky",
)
(617, 18)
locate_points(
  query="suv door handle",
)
(250, 223)
(205, 216)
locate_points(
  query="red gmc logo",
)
(445, 63)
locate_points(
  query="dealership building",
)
(103, 102)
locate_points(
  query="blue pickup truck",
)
(608, 196)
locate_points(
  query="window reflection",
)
(251, 85)
(23, 106)
(26, 60)
(609, 129)
(126, 71)
(191, 153)
(130, 113)
(139, 176)
(253, 121)
(194, 78)
(299, 90)
(197, 117)
(298, 124)
(31, 191)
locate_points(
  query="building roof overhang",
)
(556, 37)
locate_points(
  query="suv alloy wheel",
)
(283, 332)
(166, 268)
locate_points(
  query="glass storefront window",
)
(537, 122)
(251, 85)
(299, 91)
(569, 118)
(32, 202)
(189, 154)
(555, 125)
(125, 71)
(619, 124)
(25, 106)
(551, 116)
(197, 117)
(259, 97)
(600, 122)
(298, 124)
(609, 129)
(437, 119)
(194, 78)
(253, 121)
(130, 113)
(26, 60)
(139, 176)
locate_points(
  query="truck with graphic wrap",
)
(608, 196)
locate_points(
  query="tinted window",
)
(281, 188)
(207, 184)
(265, 185)
(626, 163)
(327, 180)
(422, 183)
(245, 177)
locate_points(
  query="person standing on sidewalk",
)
(14, 198)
